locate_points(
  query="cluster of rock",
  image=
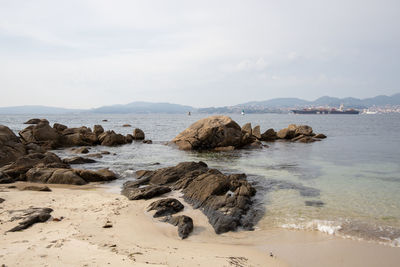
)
(221, 133)
(224, 199)
(42, 134)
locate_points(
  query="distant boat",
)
(242, 111)
(189, 113)
(325, 111)
(369, 112)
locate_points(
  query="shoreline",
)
(137, 239)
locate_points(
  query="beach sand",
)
(137, 239)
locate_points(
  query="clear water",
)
(355, 172)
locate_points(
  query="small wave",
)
(327, 227)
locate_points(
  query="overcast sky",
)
(83, 54)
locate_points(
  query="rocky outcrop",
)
(210, 133)
(36, 188)
(110, 138)
(11, 147)
(269, 135)
(135, 193)
(78, 160)
(138, 134)
(224, 199)
(32, 121)
(30, 217)
(166, 206)
(68, 176)
(184, 223)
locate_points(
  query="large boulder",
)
(184, 224)
(11, 147)
(110, 138)
(41, 133)
(210, 133)
(269, 135)
(166, 206)
(102, 175)
(32, 121)
(54, 176)
(82, 136)
(224, 199)
(257, 132)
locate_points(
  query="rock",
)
(247, 128)
(82, 136)
(138, 134)
(255, 145)
(59, 127)
(105, 120)
(98, 129)
(32, 216)
(78, 160)
(110, 138)
(54, 176)
(95, 155)
(36, 188)
(184, 223)
(42, 134)
(129, 138)
(269, 135)
(306, 139)
(164, 207)
(126, 125)
(314, 203)
(297, 138)
(303, 130)
(257, 132)
(80, 150)
(147, 142)
(224, 199)
(134, 193)
(105, 152)
(286, 133)
(102, 175)
(32, 121)
(320, 136)
(17, 170)
(211, 132)
(225, 148)
(2, 200)
(108, 224)
(11, 147)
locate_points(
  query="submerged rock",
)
(314, 203)
(36, 188)
(164, 207)
(78, 160)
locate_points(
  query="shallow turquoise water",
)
(355, 172)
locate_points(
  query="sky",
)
(90, 53)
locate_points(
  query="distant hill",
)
(144, 107)
(37, 110)
(278, 105)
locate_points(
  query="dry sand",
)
(137, 239)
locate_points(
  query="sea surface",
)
(346, 185)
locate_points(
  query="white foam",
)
(327, 227)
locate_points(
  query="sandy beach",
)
(137, 239)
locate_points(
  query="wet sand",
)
(137, 239)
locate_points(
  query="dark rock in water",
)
(95, 155)
(269, 135)
(104, 120)
(78, 160)
(41, 133)
(320, 136)
(224, 199)
(2, 200)
(30, 217)
(129, 138)
(80, 150)
(212, 132)
(314, 203)
(32, 121)
(147, 142)
(98, 129)
(164, 207)
(134, 193)
(126, 125)
(36, 188)
(247, 128)
(138, 134)
(11, 147)
(184, 223)
(306, 139)
(110, 138)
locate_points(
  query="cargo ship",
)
(325, 111)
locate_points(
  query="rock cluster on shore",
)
(26, 158)
(224, 199)
(221, 133)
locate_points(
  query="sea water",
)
(352, 177)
